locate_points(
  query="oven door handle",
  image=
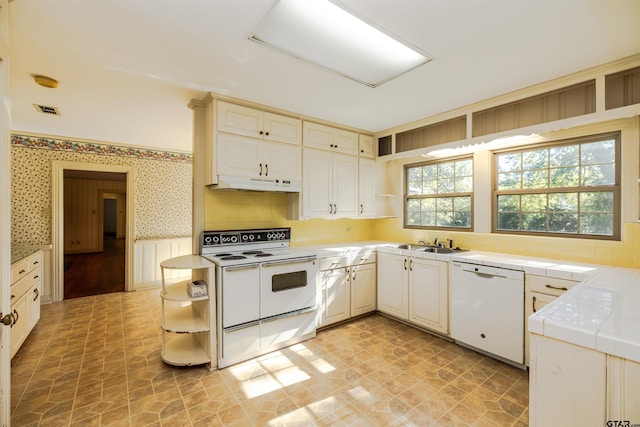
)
(241, 267)
(289, 261)
(289, 314)
(241, 326)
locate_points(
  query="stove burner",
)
(252, 253)
(232, 257)
(263, 254)
(221, 255)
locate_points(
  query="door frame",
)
(57, 223)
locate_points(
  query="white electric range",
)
(265, 290)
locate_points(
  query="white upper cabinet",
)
(246, 121)
(366, 146)
(330, 138)
(329, 185)
(246, 157)
(367, 188)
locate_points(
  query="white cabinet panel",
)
(282, 161)
(241, 120)
(317, 187)
(282, 128)
(367, 188)
(428, 294)
(366, 146)
(393, 285)
(363, 289)
(335, 305)
(345, 186)
(239, 156)
(330, 138)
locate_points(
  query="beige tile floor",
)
(96, 361)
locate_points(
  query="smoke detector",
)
(45, 81)
(45, 109)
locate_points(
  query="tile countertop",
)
(600, 313)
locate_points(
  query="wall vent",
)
(45, 109)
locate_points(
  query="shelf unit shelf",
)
(188, 324)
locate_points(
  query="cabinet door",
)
(316, 184)
(19, 328)
(282, 128)
(318, 136)
(428, 294)
(568, 384)
(239, 156)
(345, 141)
(336, 296)
(239, 120)
(33, 306)
(282, 161)
(393, 285)
(363, 289)
(367, 188)
(345, 185)
(533, 302)
(366, 146)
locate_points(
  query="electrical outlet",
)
(347, 229)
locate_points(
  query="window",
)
(439, 194)
(568, 189)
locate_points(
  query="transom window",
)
(439, 194)
(565, 189)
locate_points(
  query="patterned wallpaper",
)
(162, 187)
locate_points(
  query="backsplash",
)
(242, 209)
(162, 186)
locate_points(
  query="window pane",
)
(464, 168)
(569, 155)
(462, 219)
(563, 223)
(535, 159)
(428, 219)
(564, 177)
(509, 162)
(462, 203)
(508, 203)
(445, 203)
(413, 205)
(414, 187)
(598, 175)
(413, 218)
(596, 202)
(430, 172)
(445, 170)
(509, 181)
(598, 152)
(534, 202)
(508, 221)
(596, 224)
(445, 219)
(534, 221)
(563, 202)
(445, 185)
(535, 179)
(464, 185)
(414, 174)
(430, 187)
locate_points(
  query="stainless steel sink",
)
(432, 249)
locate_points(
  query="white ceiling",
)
(128, 68)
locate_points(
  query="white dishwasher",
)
(487, 310)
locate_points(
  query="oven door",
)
(239, 294)
(287, 285)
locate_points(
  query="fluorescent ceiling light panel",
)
(321, 32)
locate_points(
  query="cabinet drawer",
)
(35, 261)
(364, 257)
(19, 270)
(548, 285)
(334, 262)
(20, 287)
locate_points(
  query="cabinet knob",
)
(7, 319)
(261, 132)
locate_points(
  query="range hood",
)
(256, 184)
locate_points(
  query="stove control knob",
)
(208, 239)
(234, 239)
(244, 237)
(251, 237)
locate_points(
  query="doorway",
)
(94, 243)
(87, 258)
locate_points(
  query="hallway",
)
(95, 273)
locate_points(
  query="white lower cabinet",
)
(567, 384)
(393, 285)
(428, 294)
(623, 389)
(540, 291)
(26, 287)
(347, 287)
(414, 289)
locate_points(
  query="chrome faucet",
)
(422, 243)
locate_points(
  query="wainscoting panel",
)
(148, 254)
